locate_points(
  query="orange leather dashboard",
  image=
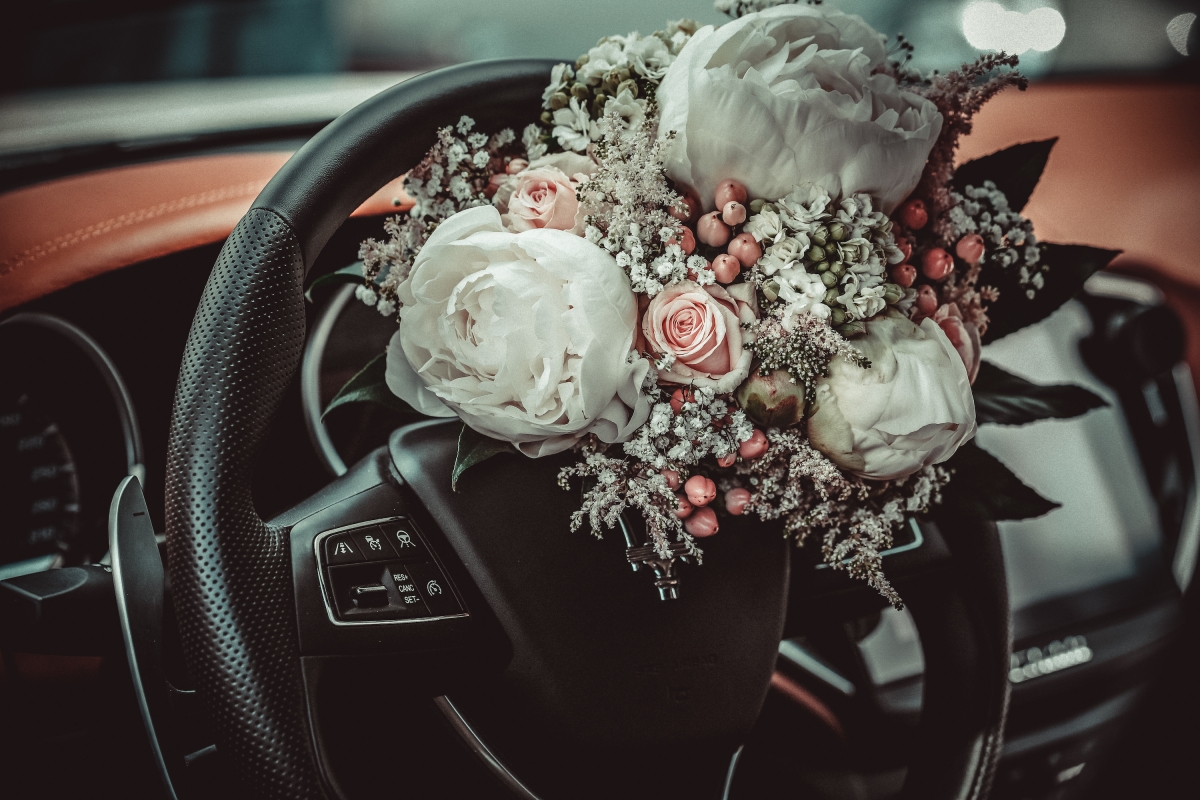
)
(64, 231)
(1125, 175)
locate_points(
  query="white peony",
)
(787, 95)
(913, 407)
(525, 336)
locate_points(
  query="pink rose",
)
(542, 195)
(542, 198)
(963, 335)
(702, 328)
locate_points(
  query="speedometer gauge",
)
(39, 507)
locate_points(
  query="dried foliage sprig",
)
(959, 95)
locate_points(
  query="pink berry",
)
(746, 249)
(516, 165)
(672, 478)
(729, 191)
(700, 490)
(702, 523)
(733, 213)
(684, 509)
(679, 397)
(726, 268)
(690, 210)
(936, 264)
(689, 241)
(904, 274)
(711, 231)
(914, 215)
(905, 246)
(927, 301)
(970, 248)
(755, 446)
(736, 500)
(727, 460)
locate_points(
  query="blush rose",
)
(543, 194)
(701, 328)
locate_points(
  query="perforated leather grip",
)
(230, 572)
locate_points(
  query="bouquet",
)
(735, 271)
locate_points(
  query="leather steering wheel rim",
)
(231, 572)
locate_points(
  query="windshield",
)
(65, 43)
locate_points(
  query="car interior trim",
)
(310, 381)
(1187, 550)
(477, 746)
(131, 432)
(133, 214)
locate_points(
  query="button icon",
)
(341, 550)
(372, 544)
(432, 585)
(405, 540)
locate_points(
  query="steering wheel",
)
(561, 657)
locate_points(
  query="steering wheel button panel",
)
(341, 550)
(373, 545)
(434, 588)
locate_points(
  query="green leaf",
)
(474, 447)
(1007, 399)
(983, 487)
(369, 386)
(352, 273)
(1015, 171)
(1069, 266)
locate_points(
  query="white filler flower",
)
(913, 407)
(525, 336)
(786, 96)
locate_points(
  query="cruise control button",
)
(372, 545)
(407, 589)
(434, 588)
(341, 550)
(404, 538)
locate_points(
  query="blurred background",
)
(62, 43)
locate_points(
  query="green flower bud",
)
(820, 266)
(838, 231)
(820, 236)
(838, 316)
(623, 74)
(892, 293)
(815, 253)
(547, 118)
(837, 268)
(756, 205)
(598, 103)
(770, 290)
(852, 329)
(772, 400)
(559, 100)
(831, 297)
(580, 91)
(829, 279)
(631, 85)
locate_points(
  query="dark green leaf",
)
(983, 487)
(474, 447)
(368, 386)
(1008, 399)
(1069, 266)
(348, 274)
(1015, 171)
